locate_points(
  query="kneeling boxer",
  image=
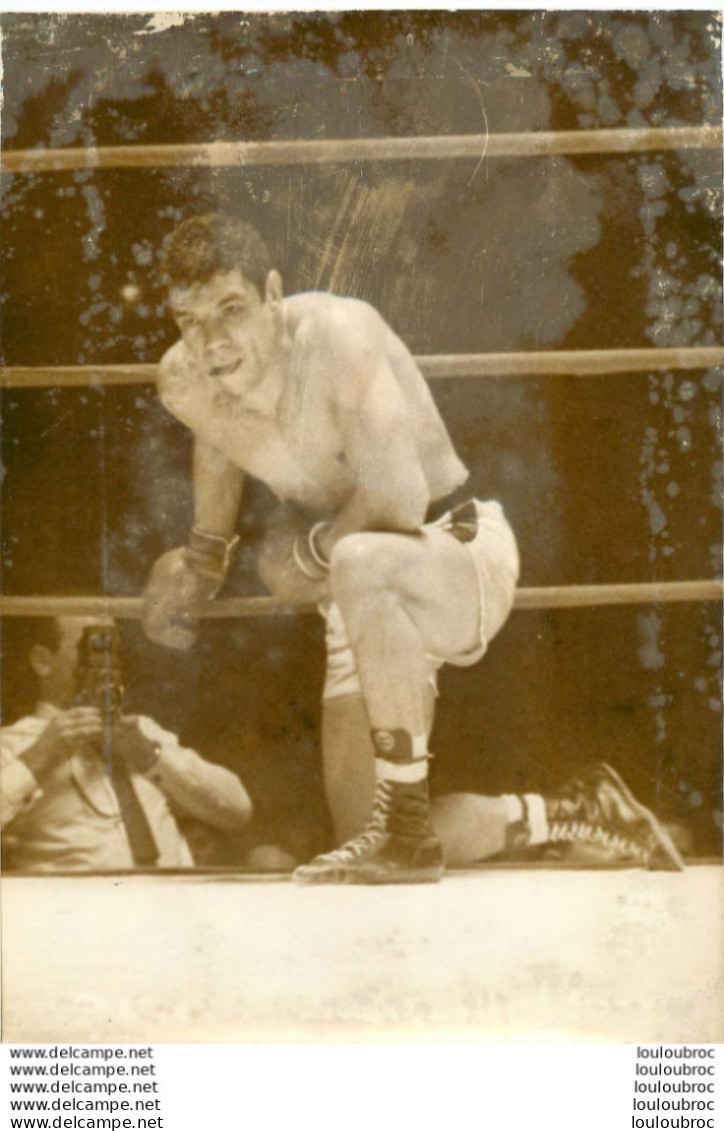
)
(315, 395)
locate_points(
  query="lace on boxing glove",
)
(308, 556)
(209, 555)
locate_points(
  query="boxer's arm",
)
(391, 491)
(218, 486)
(184, 579)
(217, 482)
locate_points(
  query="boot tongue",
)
(572, 803)
(409, 810)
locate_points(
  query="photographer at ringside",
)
(85, 787)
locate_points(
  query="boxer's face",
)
(230, 329)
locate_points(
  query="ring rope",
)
(553, 597)
(345, 150)
(571, 363)
(588, 363)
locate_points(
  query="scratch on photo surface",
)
(331, 242)
(55, 425)
(375, 215)
(476, 84)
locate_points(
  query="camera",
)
(99, 675)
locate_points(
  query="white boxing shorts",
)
(483, 530)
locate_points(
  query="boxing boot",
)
(398, 846)
(598, 810)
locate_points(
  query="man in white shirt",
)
(78, 793)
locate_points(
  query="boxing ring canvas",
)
(532, 200)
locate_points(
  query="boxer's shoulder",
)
(323, 320)
(339, 344)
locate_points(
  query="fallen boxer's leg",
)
(592, 821)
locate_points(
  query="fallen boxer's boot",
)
(397, 847)
(598, 809)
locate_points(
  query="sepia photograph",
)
(361, 380)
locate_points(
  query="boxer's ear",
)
(273, 293)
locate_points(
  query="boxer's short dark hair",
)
(205, 245)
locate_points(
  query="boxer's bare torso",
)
(319, 399)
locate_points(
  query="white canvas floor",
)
(495, 954)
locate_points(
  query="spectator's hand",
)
(132, 746)
(65, 733)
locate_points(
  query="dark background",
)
(608, 479)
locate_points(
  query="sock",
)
(527, 821)
(537, 819)
(514, 810)
(517, 829)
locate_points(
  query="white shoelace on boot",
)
(370, 837)
(582, 832)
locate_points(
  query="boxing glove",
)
(182, 582)
(287, 563)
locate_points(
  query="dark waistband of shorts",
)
(461, 518)
(449, 502)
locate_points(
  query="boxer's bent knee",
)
(366, 562)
